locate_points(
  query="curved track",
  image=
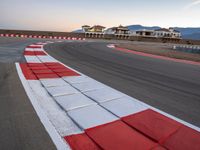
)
(170, 86)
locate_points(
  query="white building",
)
(167, 33)
(120, 30)
(96, 31)
(145, 33)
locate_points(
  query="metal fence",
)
(187, 48)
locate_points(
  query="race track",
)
(170, 86)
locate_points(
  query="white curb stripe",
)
(74, 101)
(124, 106)
(32, 59)
(91, 116)
(53, 82)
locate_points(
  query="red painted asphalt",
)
(34, 53)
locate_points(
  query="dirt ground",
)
(160, 49)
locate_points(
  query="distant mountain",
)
(194, 36)
(140, 27)
(187, 33)
(188, 30)
(78, 31)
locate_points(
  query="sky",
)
(69, 15)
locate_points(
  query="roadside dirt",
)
(160, 49)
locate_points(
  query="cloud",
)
(194, 3)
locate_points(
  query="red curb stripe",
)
(53, 64)
(38, 68)
(44, 71)
(33, 53)
(34, 46)
(149, 125)
(118, 136)
(152, 124)
(36, 64)
(184, 139)
(28, 74)
(35, 71)
(66, 74)
(81, 142)
(158, 148)
(157, 56)
(56, 67)
(61, 70)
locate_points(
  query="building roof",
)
(98, 26)
(167, 30)
(85, 26)
(120, 27)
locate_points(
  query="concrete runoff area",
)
(170, 86)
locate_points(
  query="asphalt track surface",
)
(170, 86)
(20, 127)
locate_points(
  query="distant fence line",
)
(187, 48)
(100, 36)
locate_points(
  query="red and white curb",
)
(41, 37)
(80, 113)
(152, 55)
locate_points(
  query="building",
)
(118, 32)
(85, 28)
(95, 31)
(145, 33)
(167, 33)
(122, 32)
(95, 28)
